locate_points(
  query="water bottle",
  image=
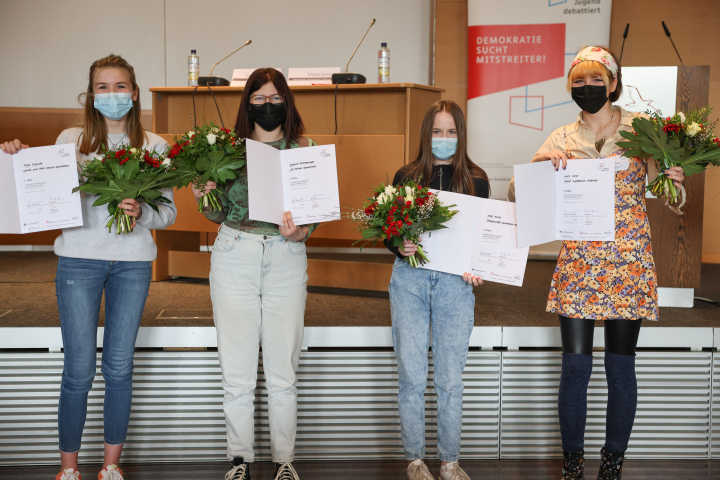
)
(193, 69)
(384, 64)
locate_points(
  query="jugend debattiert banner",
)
(518, 57)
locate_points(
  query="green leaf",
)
(116, 168)
(225, 175)
(202, 164)
(692, 168)
(215, 157)
(371, 233)
(110, 189)
(132, 168)
(151, 194)
(704, 157)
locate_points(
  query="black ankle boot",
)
(573, 465)
(610, 465)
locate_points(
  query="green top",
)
(235, 207)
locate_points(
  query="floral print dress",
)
(610, 280)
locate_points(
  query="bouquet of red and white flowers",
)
(683, 140)
(126, 173)
(402, 213)
(207, 153)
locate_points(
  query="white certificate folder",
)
(302, 181)
(480, 239)
(37, 190)
(577, 203)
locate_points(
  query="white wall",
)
(48, 45)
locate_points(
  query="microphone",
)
(214, 81)
(627, 27)
(667, 32)
(352, 77)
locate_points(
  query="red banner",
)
(502, 57)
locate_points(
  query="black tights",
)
(621, 338)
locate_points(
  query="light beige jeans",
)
(258, 286)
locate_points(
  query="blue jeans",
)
(79, 287)
(419, 300)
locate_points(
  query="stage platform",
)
(27, 299)
(348, 379)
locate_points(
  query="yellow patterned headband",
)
(599, 55)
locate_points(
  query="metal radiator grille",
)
(347, 407)
(715, 408)
(673, 405)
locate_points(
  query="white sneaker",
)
(111, 472)
(68, 474)
(286, 471)
(417, 470)
(239, 472)
(452, 471)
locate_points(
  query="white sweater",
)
(92, 240)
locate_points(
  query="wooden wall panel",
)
(41, 126)
(695, 28)
(451, 50)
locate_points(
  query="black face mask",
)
(268, 116)
(590, 98)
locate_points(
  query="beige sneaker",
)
(452, 471)
(417, 470)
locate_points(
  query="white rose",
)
(682, 116)
(133, 150)
(191, 133)
(382, 198)
(693, 129)
(167, 162)
(409, 195)
(211, 138)
(390, 190)
(215, 129)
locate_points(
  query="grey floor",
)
(389, 470)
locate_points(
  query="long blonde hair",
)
(93, 123)
(464, 170)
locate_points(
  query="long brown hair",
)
(464, 170)
(93, 123)
(293, 127)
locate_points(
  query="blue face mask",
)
(113, 105)
(444, 148)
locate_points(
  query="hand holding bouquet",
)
(683, 140)
(207, 153)
(402, 213)
(126, 173)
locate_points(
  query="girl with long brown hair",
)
(422, 299)
(92, 262)
(258, 285)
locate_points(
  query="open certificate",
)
(577, 203)
(37, 192)
(300, 180)
(480, 239)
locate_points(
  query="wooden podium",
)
(378, 131)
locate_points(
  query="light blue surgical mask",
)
(444, 148)
(113, 105)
